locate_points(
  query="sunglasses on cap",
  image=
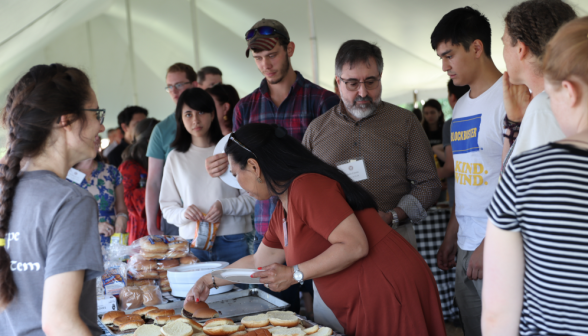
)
(263, 30)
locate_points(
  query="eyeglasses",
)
(263, 30)
(178, 86)
(99, 114)
(353, 84)
(232, 137)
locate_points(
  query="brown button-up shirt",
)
(397, 154)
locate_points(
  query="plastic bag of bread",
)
(130, 297)
(139, 283)
(142, 269)
(160, 247)
(189, 259)
(151, 295)
(164, 265)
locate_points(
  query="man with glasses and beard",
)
(284, 97)
(379, 145)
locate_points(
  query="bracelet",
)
(123, 215)
(514, 128)
(214, 282)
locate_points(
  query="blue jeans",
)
(229, 248)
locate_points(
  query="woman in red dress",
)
(132, 169)
(327, 228)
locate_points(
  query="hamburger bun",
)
(178, 245)
(164, 265)
(256, 321)
(130, 298)
(145, 275)
(189, 260)
(221, 330)
(162, 274)
(192, 306)
(127, 318)
(148, 330)
(131, 325)
(287, 332)
(163, 320)
(144, 265)
(159, 312)
(153, 244)
(312, 329)
(218, 322)
(139, 283)
(176, 254)
(283, 319)
(151, 295)
(324, 331)
(153, 255)
(205, 313)
(239, 333)
(145, 310)
(259, 332)
(176, 328)
(109, 317)
(197, 327)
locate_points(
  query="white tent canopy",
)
(94, 35)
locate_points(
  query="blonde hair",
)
(566, 55)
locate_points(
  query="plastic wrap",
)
(139, 283)
(160, 247)
(130, 297)
(151, 295)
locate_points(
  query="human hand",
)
(154, 231)
(476, 264)
(446, 254)
(277, 277)
(217, 165)
(192, 213)
(386, 216)
(215, 213)
(120, 225)
(105, 229)
(516, 99)
(200, 290)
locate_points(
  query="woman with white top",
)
(535, 253)
(189, 195)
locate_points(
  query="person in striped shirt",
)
(535, 258)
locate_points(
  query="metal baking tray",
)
(236, 305)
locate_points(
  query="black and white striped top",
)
(544, 195)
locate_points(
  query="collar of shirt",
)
(342, 112)
(264, 88)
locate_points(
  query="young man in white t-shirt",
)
(462, 40)
(523, 47)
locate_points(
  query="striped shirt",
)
(305, 102)
(544, 196)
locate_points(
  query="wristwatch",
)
(395, 220)
(298, 276)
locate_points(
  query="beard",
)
(361, 111)
(282, 72)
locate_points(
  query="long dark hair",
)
(434, 103)
(283, 158)
(198, 100)
(225, 93)
(137, 151)
(33, 107)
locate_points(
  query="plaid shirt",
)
(305, 102)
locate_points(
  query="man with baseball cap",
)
(284, 97)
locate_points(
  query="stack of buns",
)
(119, 320)
(163, 247)
(198, 310)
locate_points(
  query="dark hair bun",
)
(280, 131)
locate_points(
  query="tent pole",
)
(131, 52)
(194, 17)
(313, 44)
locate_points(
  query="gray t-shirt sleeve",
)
(73, 243)
(447, 133)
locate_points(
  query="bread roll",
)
(178, 244)
(283, 319)
(143, 275)
(193, 306)
(162, 320)
(189, 260)
(176, 328)
(164, 265)
(153, 244)
(205, 313)
(287, 332)
(127, 318)
(221, 330)
(256, 321)
(131, 325)
(312, 329)
(259, 332)
(130, 298)
(145, 310)
(109, 317)
(197, 327)
(324, 331)
(151, 295)
(148, 330)
(176, 254)
(144, 265)
(218, 322)
(159, 312)
(139, 283)
(153, 255)
(162, 274)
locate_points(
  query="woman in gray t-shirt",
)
(49, 243)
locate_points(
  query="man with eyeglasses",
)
(284, 97)
(379, 145)
(179, 78)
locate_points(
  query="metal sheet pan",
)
(236, 305)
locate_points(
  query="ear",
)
(226, 107)
(522, 50)
(254, 167)
(478, 48)
(290, 49)
(65, 121)
(573, 93)
(124, 127)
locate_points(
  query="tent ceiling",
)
(92, 34)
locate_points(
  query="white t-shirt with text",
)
(477, 142)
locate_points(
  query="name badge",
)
(355, 169)
(75, 175)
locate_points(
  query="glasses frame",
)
(346, 81)
(178, 86)
(99, 114)
(257, 30)
(232, 137)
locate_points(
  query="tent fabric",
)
(92, 35)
